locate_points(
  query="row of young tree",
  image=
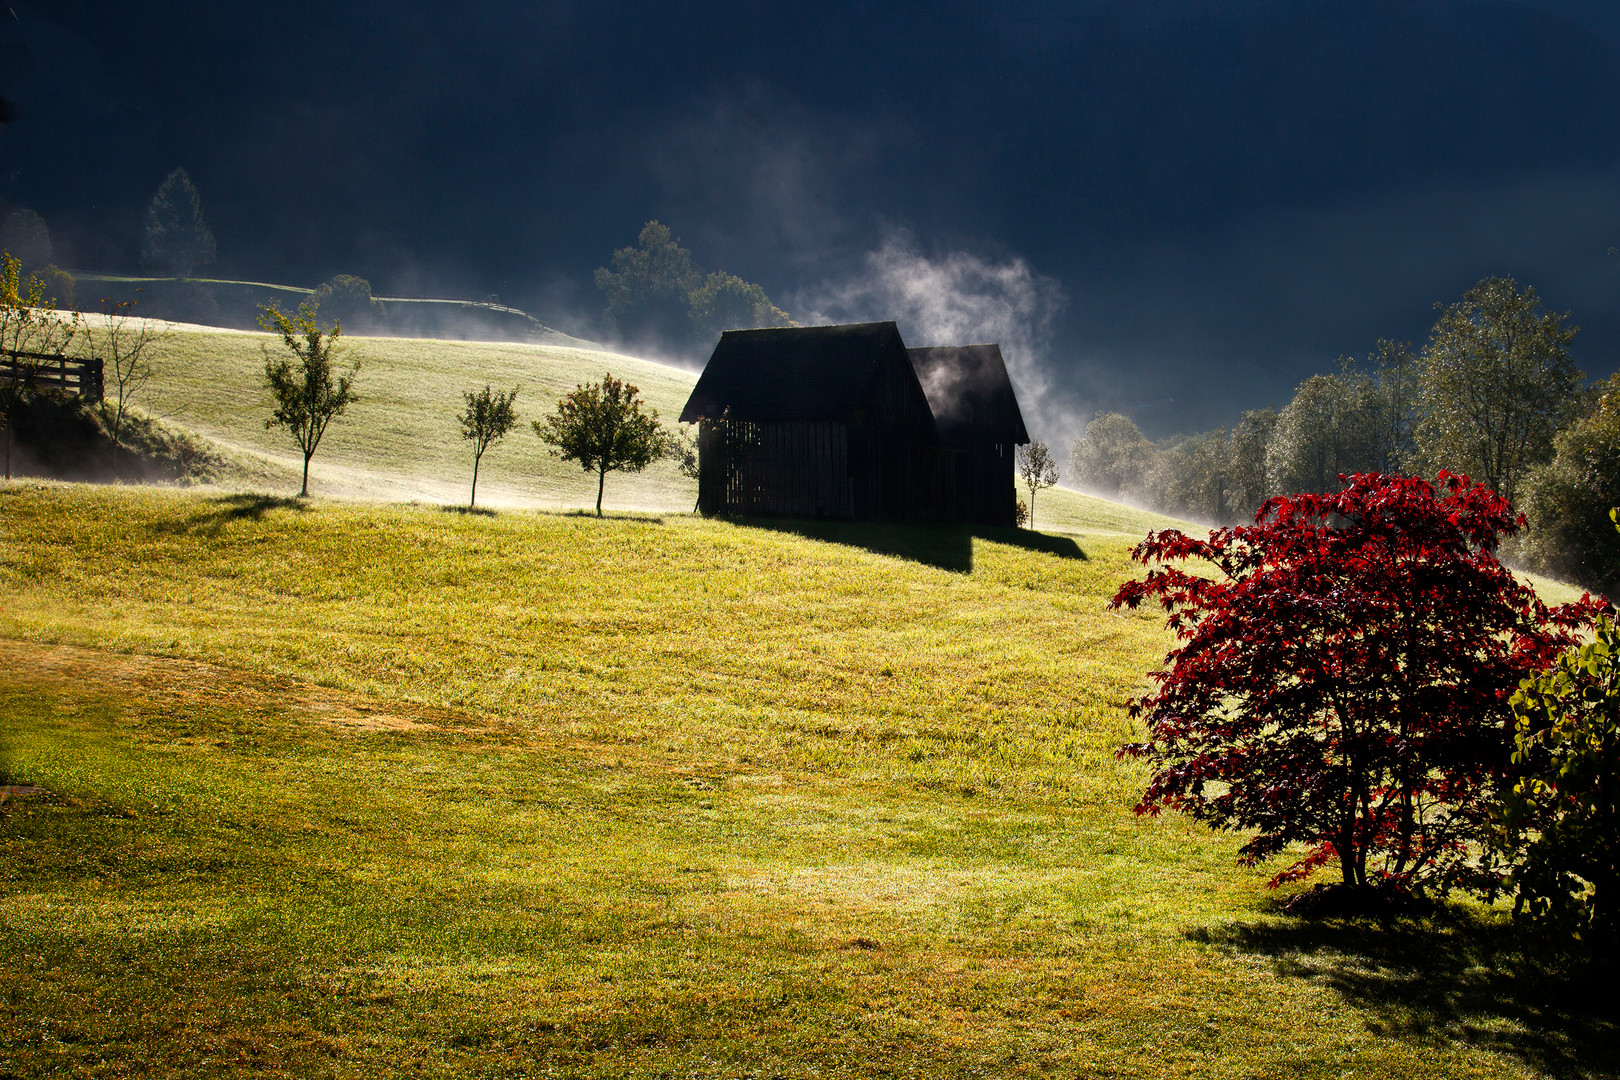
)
(604, 427)
(1493, 394)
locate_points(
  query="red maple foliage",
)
(1342, 681)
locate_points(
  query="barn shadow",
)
(1452, 978)
(945, 546)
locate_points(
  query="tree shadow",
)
(469, 511)
(609, 515)
(944, 546)
(1451, 978)
(222, 509)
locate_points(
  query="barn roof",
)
(970, 394)
(791, 372)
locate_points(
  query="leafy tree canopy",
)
(727, 302)
(177, 239)
(1342, 677)
(602, 426)
(1112, 456)
(648, 290)
(1560, 822)
(1567, 501)
(1326, 431)
(346, 300)
(1496, 385)
(308, 391)
(657, 296)
(489, 415)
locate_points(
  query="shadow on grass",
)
(609, 515)
(248, 505)
(947, 547)
(219, 511)
(470, 511)
(1448, 979)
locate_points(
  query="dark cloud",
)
(1229, 194)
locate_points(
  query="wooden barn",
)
(846, 422)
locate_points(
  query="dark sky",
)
(1175, 208)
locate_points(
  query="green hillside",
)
(357, 790)
(403, 440)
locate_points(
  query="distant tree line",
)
(1492, 394)
(656, 295)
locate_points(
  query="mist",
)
(961, 298)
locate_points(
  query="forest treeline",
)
(1493, 394)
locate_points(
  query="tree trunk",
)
(601, 479)
(304, 492)
(8, 450)
(472, 500)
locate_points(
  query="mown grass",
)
(357, 790)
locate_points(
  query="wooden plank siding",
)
(792, 467)
(833, 421)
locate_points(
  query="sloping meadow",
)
(402, 439)
(359, 790)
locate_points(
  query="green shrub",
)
(60, 287)
(1560, 822)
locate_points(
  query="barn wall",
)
(792, 467)
(892, 460)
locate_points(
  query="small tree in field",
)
(485, 421)
(683, 450)
(1037, 470)
(307, 395)
(1560, 821)
(124, 344)
(1343, 677)
(601, 426)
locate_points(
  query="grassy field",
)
(357, 790)
(402, 440)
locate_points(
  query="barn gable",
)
(970, 394)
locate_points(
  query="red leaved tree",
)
(1343, 677)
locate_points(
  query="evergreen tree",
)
(177, 238)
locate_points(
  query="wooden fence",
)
(43, 372)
